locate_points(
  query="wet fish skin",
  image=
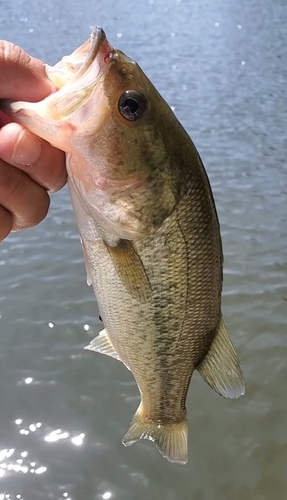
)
(150, 235)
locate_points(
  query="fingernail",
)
(27, 149)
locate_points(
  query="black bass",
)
(149, 231)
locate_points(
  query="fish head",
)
(115, 126)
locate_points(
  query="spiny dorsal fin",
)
(220, 367)
(103, 345)
(130, 269)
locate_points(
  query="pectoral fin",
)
(220, 367)
(87, 266)
(130, 269)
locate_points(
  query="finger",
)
(26, 75)
(6, 222)
(25, 199)
(43, 163)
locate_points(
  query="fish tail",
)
(171, 440)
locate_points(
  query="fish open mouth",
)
(75, 76)
(80, 72)
(94, 52)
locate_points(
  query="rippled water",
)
(63, 411)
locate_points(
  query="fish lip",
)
(98, 44)
(97, 37)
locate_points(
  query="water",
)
(63, 411)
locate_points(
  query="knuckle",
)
(54, 163)
(42, 210)
(11, 54)
(6, 223)
(27, 201)
(58, 183)
(11, 180)
(31, 215)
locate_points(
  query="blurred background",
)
(222, 67)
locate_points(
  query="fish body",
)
(149, 231)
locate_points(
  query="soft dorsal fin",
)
(220, 367)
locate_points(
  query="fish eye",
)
(132, 105)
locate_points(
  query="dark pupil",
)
(131, 106)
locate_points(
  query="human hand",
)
(29, 167)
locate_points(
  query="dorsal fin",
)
(220, 367)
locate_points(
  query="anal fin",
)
(103, 345)
(220, 367)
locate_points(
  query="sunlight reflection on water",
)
(18, 464)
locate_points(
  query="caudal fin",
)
(170, 439)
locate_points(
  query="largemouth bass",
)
(149, 231)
